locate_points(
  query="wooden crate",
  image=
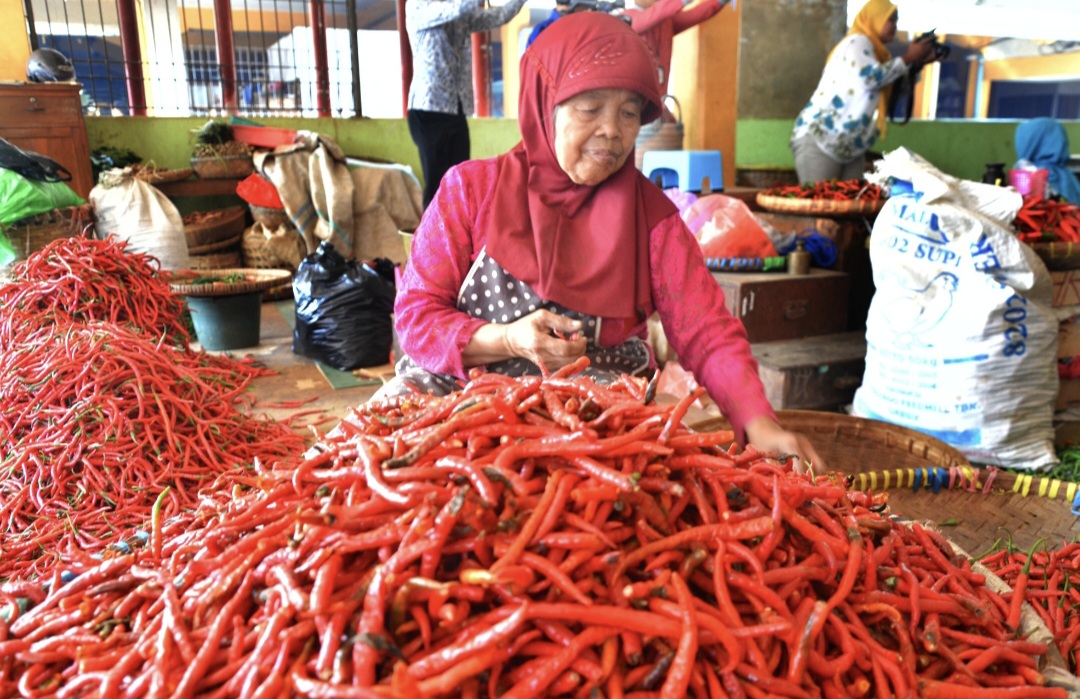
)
(778, 306)
(816, 373)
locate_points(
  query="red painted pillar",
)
(226, 54)
(133, 69)
(406, 57)
(481, 77)
(322, 63)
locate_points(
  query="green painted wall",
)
(168, 142)
(959, 148)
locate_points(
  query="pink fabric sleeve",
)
(709, 341)
(695, 15)
(431, 330)
(644, 20)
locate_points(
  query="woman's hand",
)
(920, 52)
(767, 435)
(535, 337)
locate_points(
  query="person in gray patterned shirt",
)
(441, 96)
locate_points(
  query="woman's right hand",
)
(920, 52)
(536, 337)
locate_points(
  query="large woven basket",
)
(261, 253)
(216, 260)
(31, 234)
(929, 480)
(221, 167)
(206, 231)
(840, 208)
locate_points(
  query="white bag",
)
(136, 211)
(961, 336)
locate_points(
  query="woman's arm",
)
(709, 341)
(856, 57)
(490, 18)
(431, 330)
(425, 14)
(696, 14)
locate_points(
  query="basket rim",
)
(220, 245)
(827, 207)
(255, 279)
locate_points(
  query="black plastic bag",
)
(32, 166)
(343, 310)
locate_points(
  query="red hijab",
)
(584, 247)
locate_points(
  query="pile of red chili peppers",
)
(524, 537)
(843, 190)
(1047, 220)
(105, 407)
(1050, 581)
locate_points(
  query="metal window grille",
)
(171, 65)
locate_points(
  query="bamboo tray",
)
(839, 208)
(213, 227)
(1058, 256)
(183, 282)
(928, 480)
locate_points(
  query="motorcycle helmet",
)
(49, 66)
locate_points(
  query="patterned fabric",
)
(433, 332)
(440, 36)
(840, 114)
(490, 293)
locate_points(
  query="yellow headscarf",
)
(869, 22)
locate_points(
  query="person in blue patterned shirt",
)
(441, 96)
(838, 125)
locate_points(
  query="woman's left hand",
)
(767, 435)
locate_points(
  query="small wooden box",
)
(778, 306)
(812, 373)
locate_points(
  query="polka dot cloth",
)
(490, 293)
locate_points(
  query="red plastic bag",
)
(725, 227)
(259, 191)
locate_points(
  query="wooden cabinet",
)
(778, 306)
(47, 118)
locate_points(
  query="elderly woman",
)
(847, 112)
(561, 248)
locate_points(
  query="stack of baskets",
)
(273, 242)
(35, 232)
(214, 237)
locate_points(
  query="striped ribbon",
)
(936, 478)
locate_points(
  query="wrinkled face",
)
(595, 133)
(888, 30)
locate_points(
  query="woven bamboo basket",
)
(163, 176)
(209, 228)
(260, 253)
(225, 259)
(32, 234)
(666, 133)
(222, 167)
(269, 217)
(839, 208)
(233, 281)
(929, 480)
(219, 246)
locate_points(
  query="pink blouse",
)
(709, 341)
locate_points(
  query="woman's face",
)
(595, 133)
(888, 30)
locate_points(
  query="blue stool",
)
(689, 170)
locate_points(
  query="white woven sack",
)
(136, 211)
(961, 336)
